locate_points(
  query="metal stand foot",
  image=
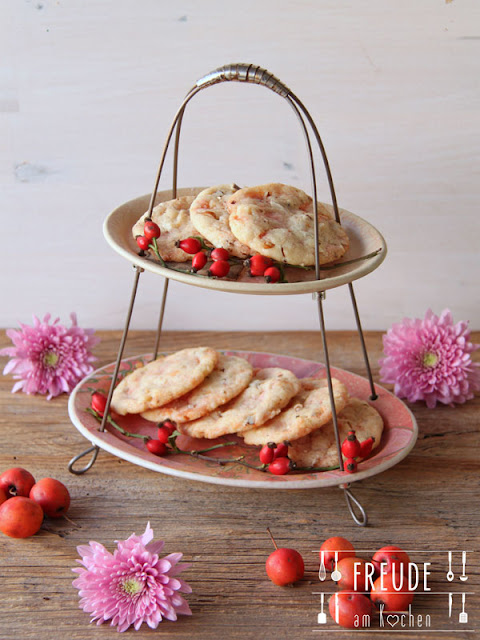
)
(78, 472)
(361, 519)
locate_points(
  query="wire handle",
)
(243, 72)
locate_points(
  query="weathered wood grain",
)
(429, 501)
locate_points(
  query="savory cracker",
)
(209, 215)
(173, 218)
(163, 380)
(229, 378)
(319, 449)
(277, 221)
(310, 409)
(270, 390)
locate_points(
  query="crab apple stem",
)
(272, 538)
(71, 521)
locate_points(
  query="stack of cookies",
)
(209, 395)
(273, 220)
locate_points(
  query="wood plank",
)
(427, 500)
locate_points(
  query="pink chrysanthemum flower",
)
(430, 360)
(132, 585)
(49, 358)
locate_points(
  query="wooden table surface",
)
(427, 503)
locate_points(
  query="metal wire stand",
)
(249, 73)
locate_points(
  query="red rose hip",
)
(219, 254)
(258, 264)
(143, 242)
(366, 447)
(52, 496)
(151, 230)
(351, 446)
(99, 402)
(199, 260)
(280, 466)
(267, 453)
(219, 268)
(189, 245)
(157, 447)
(272, 274)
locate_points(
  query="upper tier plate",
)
(364, 239)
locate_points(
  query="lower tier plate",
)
(398, 439)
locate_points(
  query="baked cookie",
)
(209, 215)
(277, 221)
(307, 411)
(229, 378)
(173, 218)
(266, 395)
(319, 449)
(163, 380)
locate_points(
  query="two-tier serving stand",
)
(367, 251)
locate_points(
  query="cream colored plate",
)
(364, 239)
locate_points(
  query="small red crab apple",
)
(16, 482)
(284, 566)
(52, 496)
(389, 559)
(342, 547)
(20, 517)
(349, 609)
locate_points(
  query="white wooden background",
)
(88, 89)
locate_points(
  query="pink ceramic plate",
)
(398, 438)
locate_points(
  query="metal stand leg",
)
(95, 448)
(362, 342)
(349, 497)
(160, 319)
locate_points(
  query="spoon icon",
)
(322, 572)
(336, 575)
(450, 575)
